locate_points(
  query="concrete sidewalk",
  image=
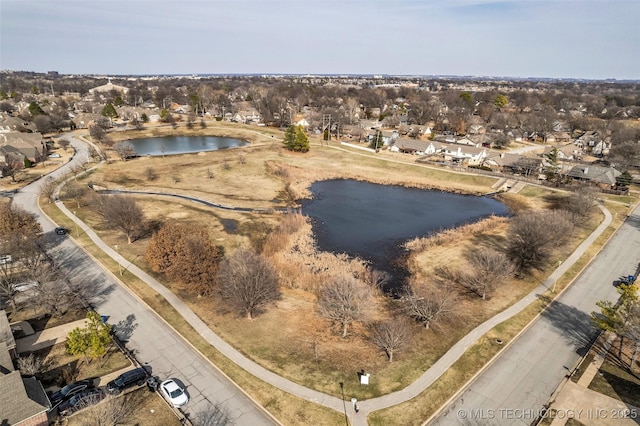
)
(47, 337)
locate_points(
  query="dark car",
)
(61, 231)
(70, 390)
(82, 400)
(126, 380)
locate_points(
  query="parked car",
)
(127, 379)
(82, 400)
(60, 230)
(70, 390)
(174, 393)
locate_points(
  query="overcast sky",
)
(518, 38)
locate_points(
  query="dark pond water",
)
(372, 221)
(168, 145)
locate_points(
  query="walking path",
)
(367, 406)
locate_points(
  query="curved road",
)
(153, 341)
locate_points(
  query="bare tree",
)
(248, 282)
(13, 167)
(74, 191)
(48, 189)
(125, 150)
(488, 269)
(150, 173)
(580, 203)
(534, 234)
(113, 410)
(428, 304)
(345, 300)
(98, 133)
(30, 365)
(95, 154)
(391, 335)
(122, 213)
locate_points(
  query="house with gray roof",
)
(23, 400)
(416, 146)
(601, 176)
(18, 145)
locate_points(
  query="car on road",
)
(82, 400)
(126, 380)
(70, 390)
(174, 393)
(61, 231)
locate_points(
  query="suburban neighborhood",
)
(88, 334)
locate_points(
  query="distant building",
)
(107, 88)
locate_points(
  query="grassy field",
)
(291, 339)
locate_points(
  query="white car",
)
(174, 393)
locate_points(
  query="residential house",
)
(30, 146)
(23, 401)
(565, 153)
(476, 129)
(416, 146)
(601, 176)
(514, 163)
(471, 155)
(515, 135)
(502, 162)
(83, 120)
(15, 124)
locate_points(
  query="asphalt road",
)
(154, 343)
(514, 389)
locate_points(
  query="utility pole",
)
(326, 126)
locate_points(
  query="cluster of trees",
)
(245, 280)
(26, 265)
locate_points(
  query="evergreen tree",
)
(625, 179)
(295, 139)
(501, 101)
(376, 141)
(617, 317)
(91, 340)
(109, 111)
(551, 170)
(34, 109)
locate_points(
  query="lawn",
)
(59, 368)
(617, 382)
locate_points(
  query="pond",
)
(373, 221)
(170, 145)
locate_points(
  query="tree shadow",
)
(574, 325)
(124, 328)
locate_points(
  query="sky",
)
(589, 39)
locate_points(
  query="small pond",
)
(372, 221)
(169, 145)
